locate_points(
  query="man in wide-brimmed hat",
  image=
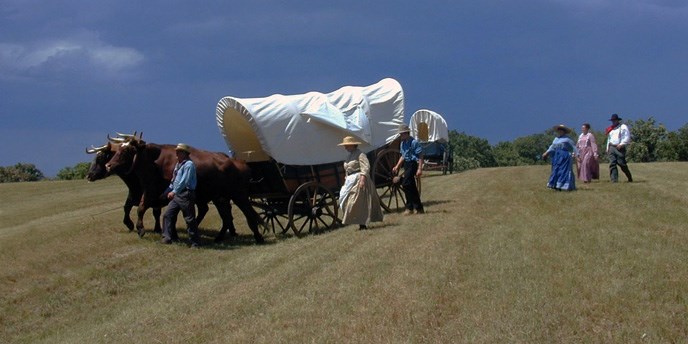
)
(412, 160)
(618, 139)
(182, 196)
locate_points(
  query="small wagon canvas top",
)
(305, 129)
(429, 126)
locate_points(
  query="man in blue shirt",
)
(182, 196)
(412, 159)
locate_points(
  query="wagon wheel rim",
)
(312, 209)
(271, 216)
(392, 197)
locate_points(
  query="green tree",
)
(526, 150)
(506, 155)
(78, 171)
(675, 147)
(21, 172)
(646, 138)
(470, 152)
(601, 140)
(530, 148)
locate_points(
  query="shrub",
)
(78, 171)
(20, 172)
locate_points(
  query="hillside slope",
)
(497, 258)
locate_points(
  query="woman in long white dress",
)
(357, 198)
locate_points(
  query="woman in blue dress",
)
(562, 177)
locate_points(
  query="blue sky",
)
(73, 71)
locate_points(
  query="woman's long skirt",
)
(588, 168)
(562, 177)
(359, 205)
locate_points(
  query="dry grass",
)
(497, 258)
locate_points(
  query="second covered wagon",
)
(430, 129)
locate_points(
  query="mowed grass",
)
(497, 258)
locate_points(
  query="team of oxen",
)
(146, 169)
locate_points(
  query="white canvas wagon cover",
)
(305, 129)
(429, 126)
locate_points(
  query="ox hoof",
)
(142, 232)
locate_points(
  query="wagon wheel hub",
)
(316, 212)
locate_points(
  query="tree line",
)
(650, 142)
(26, 172)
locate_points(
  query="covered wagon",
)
(431, 130)
(290, 143)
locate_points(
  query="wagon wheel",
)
(391, 194)
(313, 207)
(272, 215)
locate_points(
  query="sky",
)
(74, 71)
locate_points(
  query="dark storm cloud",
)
(73, 71)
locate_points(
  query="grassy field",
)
(498, 258)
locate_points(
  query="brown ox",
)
(98, 171)
(219, 178)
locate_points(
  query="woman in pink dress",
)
(588, 168)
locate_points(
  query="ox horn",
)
(93, 149)
(115, 139)
(127, 137)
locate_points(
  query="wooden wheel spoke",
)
(304, 225)
(388, 192)
(329, 212)
(321, 221)
(282, 227)
(309, 197)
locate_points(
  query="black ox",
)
(97, 171)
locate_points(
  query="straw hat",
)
(403, 128)
(349, 141)
(183, 147)
(562, 127)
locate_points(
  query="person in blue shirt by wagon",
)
(412, 160)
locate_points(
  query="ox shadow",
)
(207, 238)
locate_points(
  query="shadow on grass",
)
(427, 204)
(229, 242)
(380, 225)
